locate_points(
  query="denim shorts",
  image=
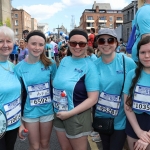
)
(143, 121)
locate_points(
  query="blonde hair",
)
(140, 3)
(8, 32)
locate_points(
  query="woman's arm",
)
(88, 103)
(143, 135)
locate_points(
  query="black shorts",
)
(13, 57)
(143, 121)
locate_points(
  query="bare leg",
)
(34, 135)
(64, 141)
(79, 143)
(45, 132)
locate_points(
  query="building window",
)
(88, 31)
(90, 24)
(16, 22)
(132, 15)
(102, 18)
(102, 25)
(16, 31)
(119, 18)
(16, 15)
(111, 25)
(128, 16)
(89, 18)
(110, 18)
(128, 32)
(118, 24)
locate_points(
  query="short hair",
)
(8, 32)
(93, 29)
(25, 31)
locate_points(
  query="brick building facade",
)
(100, 18)
(21, 20)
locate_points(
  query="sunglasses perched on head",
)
(101, 41)
(74, 44)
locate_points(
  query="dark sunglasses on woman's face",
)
(101, 41)
(74, 44)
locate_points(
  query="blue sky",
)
(58, 12)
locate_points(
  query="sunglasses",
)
(101, 41)
(74, 44)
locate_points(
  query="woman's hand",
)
(20, 130)
(63, 115)
(140, 145)
(144, 136)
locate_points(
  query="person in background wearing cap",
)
(36, 73)
(75, 92)
(111, 75)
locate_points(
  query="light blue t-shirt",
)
(74, 78)
(10, 90)
(142, 19)
(93, 57)
(111, 80)
(36, 79)
(141, 96)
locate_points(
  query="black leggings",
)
(114, 141)
(7, 142)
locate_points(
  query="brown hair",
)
(138, 71)
(46, 61)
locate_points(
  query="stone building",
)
(128, 15)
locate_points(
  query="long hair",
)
(138, 71)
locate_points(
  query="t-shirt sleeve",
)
(129, 64)
(128, 81)
(54, 70)
(92, 78)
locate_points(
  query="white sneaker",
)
(94, 134)
(96, 139)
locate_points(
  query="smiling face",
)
(144, 55)
(6, 46)
(77, 51)
(106, 48)
(35, 46)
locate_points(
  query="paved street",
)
(54, 145)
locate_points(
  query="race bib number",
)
(141, 100)
(39, 94)
(109, 103)
(13, 111)
(60, 101)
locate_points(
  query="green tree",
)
(7, 21)
(1, 23)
